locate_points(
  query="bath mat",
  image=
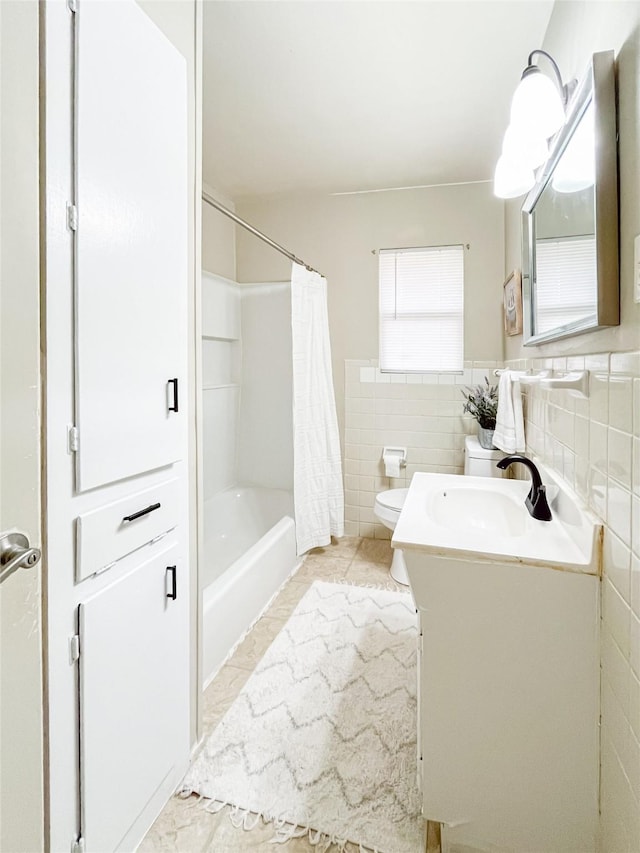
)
(322, 739)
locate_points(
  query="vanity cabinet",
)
(508, 703)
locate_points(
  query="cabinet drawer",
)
(110, 532)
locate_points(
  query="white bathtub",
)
(249, 551)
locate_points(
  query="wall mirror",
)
(570, 280)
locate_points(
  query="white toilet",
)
(387, 508)
(478, 462)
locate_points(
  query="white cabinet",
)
(131, 244)
(115, 251)
(133, 694)
(508, 704)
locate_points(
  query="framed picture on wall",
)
(512, 300)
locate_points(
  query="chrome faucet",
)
(536, 501)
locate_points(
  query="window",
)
(566, 287)
(421, 309)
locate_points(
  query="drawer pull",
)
(173, 588)
(141, 512)
(174, 383)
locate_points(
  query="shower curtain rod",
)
(210, 200)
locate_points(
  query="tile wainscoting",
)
(594, 444)
(422, 412)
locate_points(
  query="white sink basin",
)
(484, 518)
(478, 509)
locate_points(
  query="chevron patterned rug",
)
(322, 739)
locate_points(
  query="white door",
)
(21, 750)
(131, 244)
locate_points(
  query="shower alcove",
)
(249, 544)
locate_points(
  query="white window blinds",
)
(565, 285)
(421, 309)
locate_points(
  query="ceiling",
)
(343, 96)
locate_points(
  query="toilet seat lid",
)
(393, 498)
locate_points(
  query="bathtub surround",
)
(247, 384)
(248, 530)
(221, 376)
(250, 347)
(422, 412)
(321, 740)
(265, 428)
(317, 479)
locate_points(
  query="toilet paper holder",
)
(393, 459)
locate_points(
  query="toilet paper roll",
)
(392, 466)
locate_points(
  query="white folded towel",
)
(509, 434)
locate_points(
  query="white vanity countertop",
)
(485, 518)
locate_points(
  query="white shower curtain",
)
(317, 469)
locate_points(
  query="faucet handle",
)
(537, 505)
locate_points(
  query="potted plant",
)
(482, 403)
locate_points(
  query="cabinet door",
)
(134, 722)
(131, 243)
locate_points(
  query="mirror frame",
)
(597, 86)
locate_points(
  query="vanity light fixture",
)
(537, 113)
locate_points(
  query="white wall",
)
(336, 235)
(595, 444)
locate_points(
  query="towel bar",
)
(576, 381)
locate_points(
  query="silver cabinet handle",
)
(15, 553)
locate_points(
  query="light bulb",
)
(537, 104)
(512, 179)
(524, 145)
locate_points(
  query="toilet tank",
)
(479, 462)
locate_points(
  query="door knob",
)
(16, 553)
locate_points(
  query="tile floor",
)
(184, 826)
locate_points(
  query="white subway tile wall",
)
(422, 412)
(594, 444)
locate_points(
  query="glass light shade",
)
(537, 104)
(512, 179)
(525, 146)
